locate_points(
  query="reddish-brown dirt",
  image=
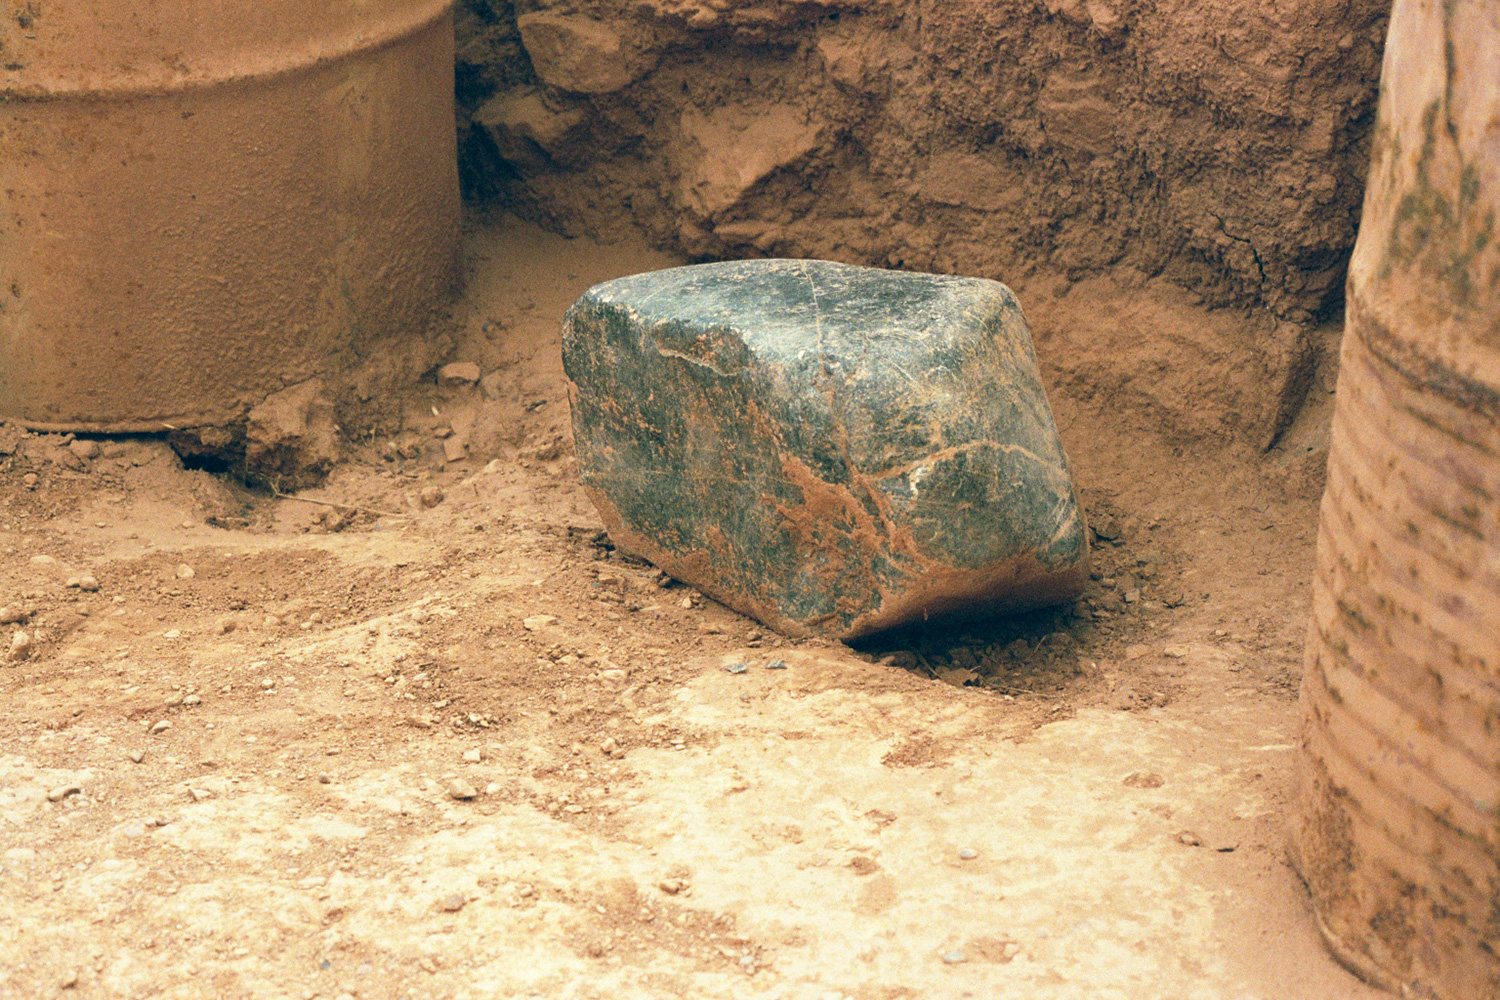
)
(422, 732)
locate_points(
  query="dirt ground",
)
(421, 732)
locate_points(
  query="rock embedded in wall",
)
(579, 54)
(729, 152)
(830, 449)
(532, 130)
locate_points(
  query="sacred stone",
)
(832, 450)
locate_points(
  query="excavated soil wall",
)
(1216, 149)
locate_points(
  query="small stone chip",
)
(1143, 779)
(458, 373)
(63, 791)
(473, 756)
(460, 789)
(968, 853)
(955, 957)
(737, 668)
(20, 646)
(161, 726)
(538, 622)
(452, 903)
(776, 665)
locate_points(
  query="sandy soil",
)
(422, 733)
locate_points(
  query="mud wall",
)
(1219, 145)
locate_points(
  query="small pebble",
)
(955, 957)
(538, 622)
(63, 791)
(473, 756)
(192, 699)
(200, 794)
(452, 903)
(185, 572)
(20, 646)
(136, 756)
(776, 665)
(430, 496)
(460, 789)
(325, 778)
(737, 668)
(493, 788)
(968, 853)
(161, 726)
(457, 373)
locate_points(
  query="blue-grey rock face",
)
(829, 449)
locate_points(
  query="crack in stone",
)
(668, 352)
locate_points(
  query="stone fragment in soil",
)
(430, 496)
(460, 789)
(291, 439)
(63, 791)
(21, 646)
(458, 373)
(829, 449)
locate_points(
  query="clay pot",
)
(1397, 825)
(203, 201)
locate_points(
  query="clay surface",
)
(830, 449)
(267, 193)
(1396, 826)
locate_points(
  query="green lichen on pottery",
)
(830, 449)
